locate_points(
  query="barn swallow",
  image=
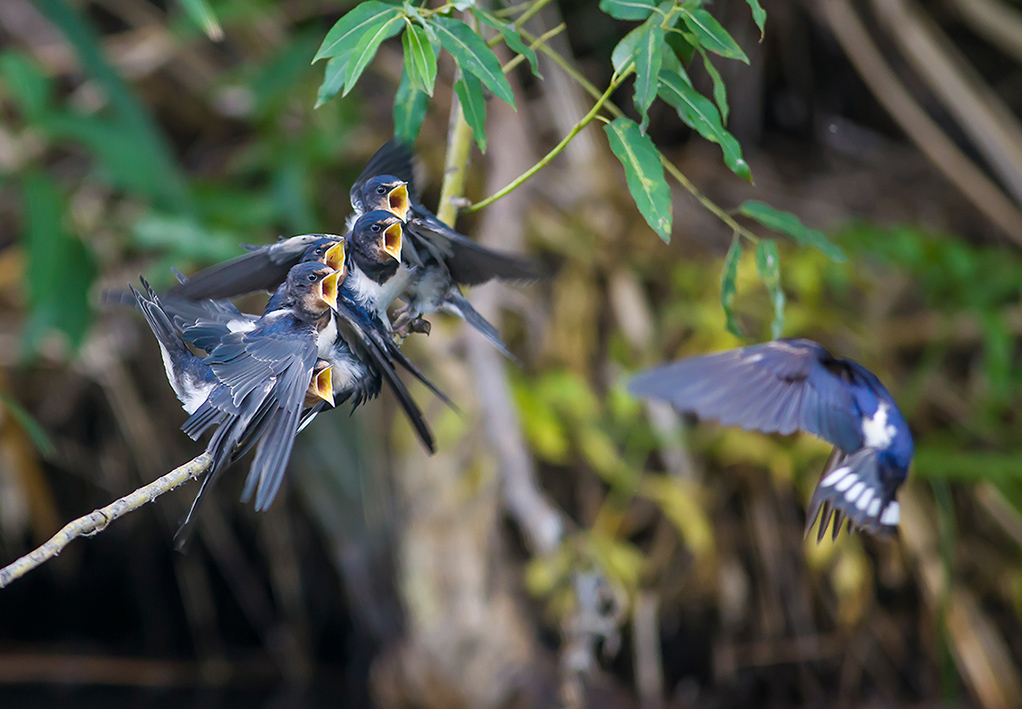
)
(789, 385)
(263, 268)
(263, 374)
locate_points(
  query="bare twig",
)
(97, 520)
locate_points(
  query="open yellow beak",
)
(324, 384)
(329, 289)
(397, 201)
(392, 241)
(334, 257)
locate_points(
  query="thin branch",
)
(97, 520)
(583, 122)
(543, 38)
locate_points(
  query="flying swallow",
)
(796, 385)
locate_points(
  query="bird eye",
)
(376, 228)
(381, 190)
(312, 278)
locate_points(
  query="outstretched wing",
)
(262, 269)
(782, 386)
(852, 487)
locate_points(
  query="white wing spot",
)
(864, 500)
(875, 429)
(846, 483)
(874, 507)
(853, 494)
(754, 358)
(834, 477)
(891, 515)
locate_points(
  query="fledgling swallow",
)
(438, 258)
(261, 269)
(263, 374)
(796, 385)
(376, 275)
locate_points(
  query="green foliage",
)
(711, 35)
(727, 284)
(768, 265)
(643, 172)
(791, 225)
(473, 103)
(202, 15)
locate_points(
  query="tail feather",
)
(458, 304)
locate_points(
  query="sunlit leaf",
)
(727, 284)
(648, 60)
(758, 15)
(768, 265)
(202, 14)
(644, 174)
(473, 56)
(719, 90)
(628, 9)
(410, 106)
(511, 37)
(788, 223)
(348, 31)
(420, 59)
(699, 112)
(365, 50)
(473, 104)
(333, 79)
(711, 35)
(60, 269)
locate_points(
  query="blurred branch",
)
(918, 126)
(978, 110)
(996, 21)
(97, 520)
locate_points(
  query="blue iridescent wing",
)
(776, 387)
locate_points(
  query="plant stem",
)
(671, 168)
(583, 122)
(536, 7)
(518, 58)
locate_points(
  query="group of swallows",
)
(326, 338)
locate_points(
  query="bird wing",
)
(852, 487)
(393, 158)
(372, 349)
(262, 269)
(781, 386)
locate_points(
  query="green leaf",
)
(473, 56)
(788, 223)
(628, 9)
(366, 48)
(473, 104)
(647, 68)
(768, 265)
(699, 112)
(410, 106)
(420, 59)
(758, 15)
(32, 428)
(719, 90)
(511, 37)
(60, 269)
(333, 79)
(711, 35)
(346, 33)
(29, 85)
(202, 14)
(626, 49)
(727, 284)
(683, 43)
(644, 174)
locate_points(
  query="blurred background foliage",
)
(567, 544)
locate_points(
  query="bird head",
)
(321, 386)
(314, 285)
(386, 193)
(375, 243)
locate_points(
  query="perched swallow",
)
(263, 375)
(264, 268)
(789, 385)
(376, 275)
